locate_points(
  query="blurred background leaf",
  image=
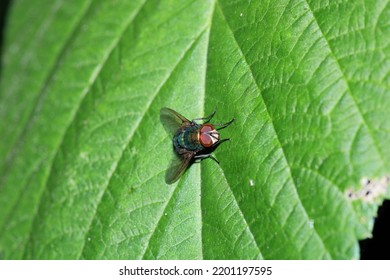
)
(83, 155)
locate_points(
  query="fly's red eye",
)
(206, 139)
(206, 128)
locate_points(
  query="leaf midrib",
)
(130, 137)
(274, 129)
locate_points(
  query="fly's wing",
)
(178, 165)
(172, 120)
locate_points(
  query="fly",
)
(192, 141)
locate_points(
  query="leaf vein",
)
(274, 129)
(347, 83)
(134, 129)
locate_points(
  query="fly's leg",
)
(223, 125)
(219, 142)
(206, 119)
(202, 157)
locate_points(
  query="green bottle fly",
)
(191, 140)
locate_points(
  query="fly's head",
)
(208, 136)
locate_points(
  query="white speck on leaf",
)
(83, 155)
(133, 151)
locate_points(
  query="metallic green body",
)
(186, 139)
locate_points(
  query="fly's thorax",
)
(187, 139)
(208, 135)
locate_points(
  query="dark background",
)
(371, 249)
(4, 5)
(378, 248)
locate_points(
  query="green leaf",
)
(83, 155)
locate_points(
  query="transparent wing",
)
(178, 165)
(172, 120)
